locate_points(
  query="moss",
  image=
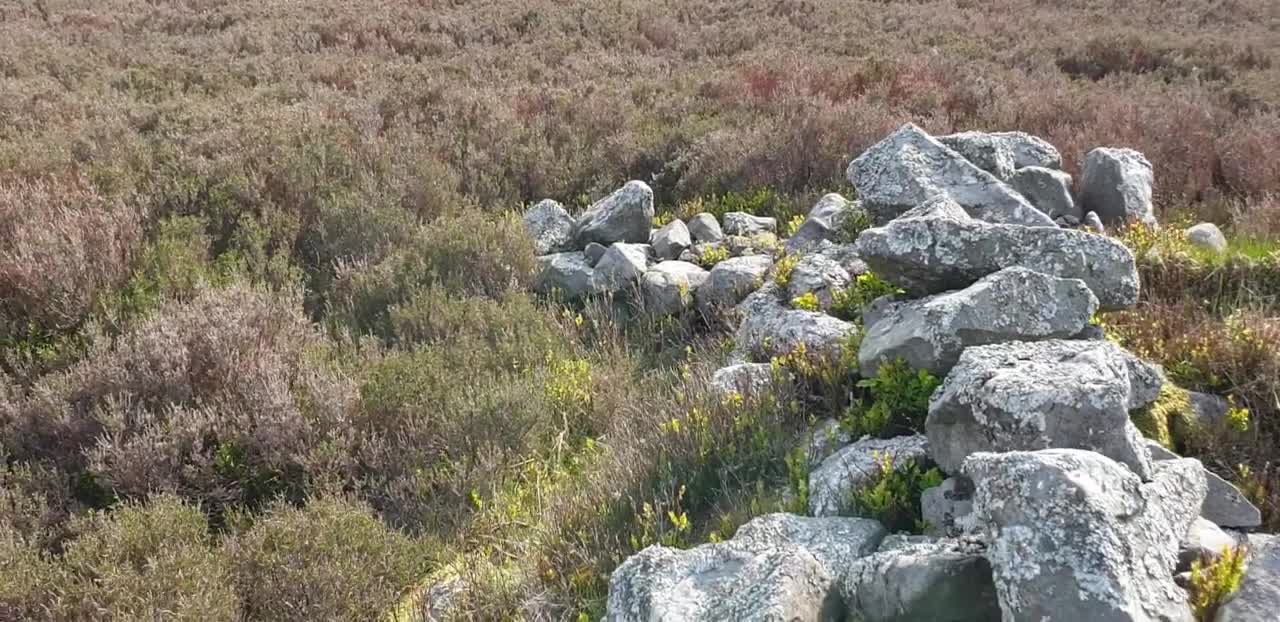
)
(1156, 421)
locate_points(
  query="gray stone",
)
(1259, 595)
(744, 224)
(819, 274)
(565, 274)
(1014, 304)
(1093, 223)
(624, 216)
(1116, 184)
(943, 580)
(743, 378)
(1073, 535)
(1204, 541)
(705, 228)
(550, 226)
(824, 222)
(826, 438)
(671, 240)
(731, 280)
(620, 267)
(1049, 191)
(947, 509)
(668, 287)
(833, 484)
(1042, 395)
(594, 251)
(836, 542)
(1224, 504)
(910, 167)
(764, 243)
(936, 247)
(1208, 236)
(769, 328)
(1001, 153)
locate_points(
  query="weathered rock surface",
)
(1204, 541)
(769, 328)
(947, 509)
(732, 279)
(1073, 535)
(620, 267)
(910, 167)
(833, 483)
(1093, 222)
(550, 227)
(671, 240)
(1049, 191)
(1259, 595)
(594, 251)
(744, 224)
(1041, 395)
(823, 223)
(936, 247)
(1208, 236)
(937, 580)
(825, 439)
(743, 378)
(1224, 504)
(705, 228)
(1116, 183)
(624, 216)
(836, 542)
(998, 152)
(567, 274)
(763, 243)
(819, 274)
(668, 287)
(1014, 304)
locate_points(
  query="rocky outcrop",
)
(936, 247)
(1073, 535)
(1117, 184)
(937, 579)
(833, 484)
(1014, 304)
(1041, 395)
(549, 226)
(668, 288)
(624, 216)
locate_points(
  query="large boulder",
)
(1224, 504)
(671, 240)
(620, 267)
(1042, 395)
(910, 167)
(624, 216)
(732, 279)
(824, 222)
(769, 328)
(1001, 153)
(550, 226)
(833, 484)
(938, 579)
(668, 287)
(1073, 535)
(1014, 304)
(1259, 595)
(937, 247)
(705, 228)
(1116, 183)
(565, 274)
(747, 225)
(1049, 191)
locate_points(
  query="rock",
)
(1049, 191)
(910, 167)
(1073, 535)
(731, 280)
(763, 243)
(824, 222)
(1014, 304)
(835, 542)
(566, 274)
(939, 580)
(704, 228)
(671, 240)
(1224, 504)
(743, 378)
(947, 509)
(668, 287)
(899, 541)
(819, 274)
(1006, 151)
(1204, 541)
(1093, 222)
(620, 267)
(1116, 184)
(747, 225)
(550, 226)
(844, 254)
(1259, 595)
(936, 247)
(833, 484)
(827, 438)
(624, 216)
(594, 251)
(769, 329)
(1041, 395)
(1208, 236)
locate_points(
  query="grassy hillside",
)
(267, 346)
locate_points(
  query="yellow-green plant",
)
(783, 269)
(894, 498)
(793, 225)
(848, 304)
(807, 302)
(1213, 582)
(712, 255)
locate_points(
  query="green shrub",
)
(899, 401)
(712, 255)
(782, 271)
(1213, 583)
(849, 303)
(807, 302)
(854, 222)
(894, 498)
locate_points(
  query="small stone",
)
(947, 509)
(1204, 541)
(731, 280)
(1259, 595)
(823, 223)
(1208, 236)
(1224, 504)
(769, 329)
(1093, 222)
(746, 379)
(744, 224)
(935, 580)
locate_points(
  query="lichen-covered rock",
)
(1073, 535)
(743, 378)
(747, 225)
(1204, 541)
(1014, 304)
(1041, 395)
(936, 247)
(705, 228)
(910, 167)
(1224, 504)
(1049, 191)
(1001, 153)
(939, 579)
(731, 280)
(1116, 183)
(668, 287)
(769, 328)
(836, 542)
(624, 216)
(671, 240)
(825, 439)
(550, 226)
(947, 509)
(823, 223)
(1208, 236)
(1259, 595)
(818, 274)
(620, 267)
(565, 274)
(833, 484)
